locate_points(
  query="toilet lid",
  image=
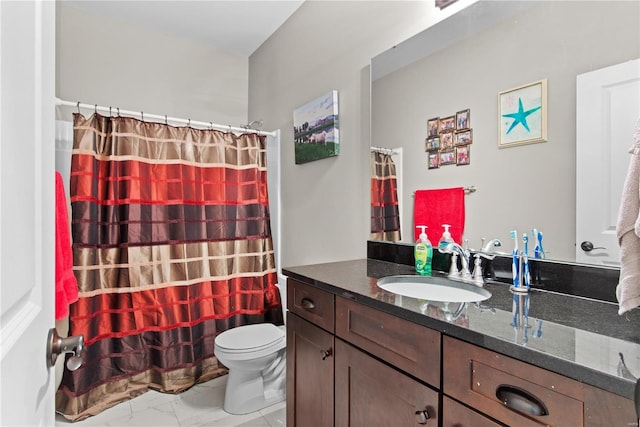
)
(249, 337)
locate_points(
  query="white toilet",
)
(256, 358)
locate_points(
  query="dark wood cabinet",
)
(349, 364)
(353, 380)
(310, 374)
(371, 393)
(454, 414)
(517, 393)
(405, 345)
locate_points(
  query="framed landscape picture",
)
(315, 129)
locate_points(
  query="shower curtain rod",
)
(383, 150)
(166, 119)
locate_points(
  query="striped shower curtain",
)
(172, 245)
(385, 216)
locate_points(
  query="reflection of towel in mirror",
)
(66, 284)
(628, 232)
(436, 207)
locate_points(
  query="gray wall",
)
(328, 45)
(519, 187)
(100, 60)
(325, 45)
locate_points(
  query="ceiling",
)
(237, 26)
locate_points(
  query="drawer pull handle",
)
(521, 400)
(308, 304)
(325, 353)
(422, 417)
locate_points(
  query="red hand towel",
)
(66, 284)
(436, 207)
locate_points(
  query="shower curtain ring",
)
(165, 120)
(78, 107)
(109, 110)
(118, 108)
(211, 125)
(189, 123)
(142, 115)
(95, 108)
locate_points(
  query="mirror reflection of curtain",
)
(385, 216)
(172, 245)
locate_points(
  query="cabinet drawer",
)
(408, 346)
(485, 380)
(312, 304)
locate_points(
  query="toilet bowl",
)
(256, 358)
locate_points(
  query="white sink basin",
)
(433, 289)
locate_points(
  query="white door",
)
(607, 110)
(27, 93)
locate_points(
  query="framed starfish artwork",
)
(522, 115)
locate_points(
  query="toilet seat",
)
(258, 339)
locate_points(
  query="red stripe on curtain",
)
(172, 245)
(131, 181)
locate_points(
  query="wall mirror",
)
(463, 63)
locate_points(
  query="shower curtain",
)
(172, 245)
(385, 216)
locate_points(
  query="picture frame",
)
(447, 124)
(463, 119)
(522, 115)
(446, 140)
(447, 157)
(433, 127)
(433, 161)
(463, 137)
(315, 129)
(462, 155)
(433, 144)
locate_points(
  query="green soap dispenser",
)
(423, 253)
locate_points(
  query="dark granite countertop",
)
(580, 338)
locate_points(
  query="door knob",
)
(324, 354)
(588, 246)
(57, 345)
(422, 417)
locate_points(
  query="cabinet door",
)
(455, 414)
(371, 393)
(309, 374)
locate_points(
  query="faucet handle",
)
(477, 269)
(453, 269)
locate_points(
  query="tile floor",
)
(200, 406)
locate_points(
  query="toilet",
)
(256, 358)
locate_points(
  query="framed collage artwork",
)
(448, 140)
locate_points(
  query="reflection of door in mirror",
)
(608, 108)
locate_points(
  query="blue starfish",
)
(520, 116)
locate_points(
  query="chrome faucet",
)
(465, 257)
(456, 250)
(487, 253)
(487, 248)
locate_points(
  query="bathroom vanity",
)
(358, 355)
